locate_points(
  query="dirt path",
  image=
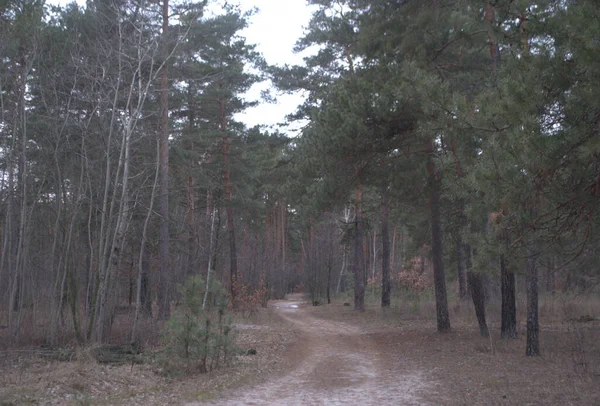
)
(334, 363)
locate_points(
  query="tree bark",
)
(551, 276)
(509, 307)
(437, 251)
(460, 269)
(145, 291)
(329, 266)
(104, 318)
(385, 253)
(143, 301)
(477, 292)
(359, 283)
(191, 192)
(533, 325)
(210, 250)
(228, 209)
(339, 284)
(164, 303)
(17, 285)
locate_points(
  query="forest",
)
(449, 153)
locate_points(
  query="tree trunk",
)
(393, 249)
(228, 209)
(551, 276)
(210, 250)
(104, 318)
(329, 266)
(359, 283)
(143, 301)
(191, 192)
(17, 286)
(10, 236)
(533, 326)
(509, 307)
(145, 292)
(366, 257)
(477, 292)
(460, 269)
(385, 253)
(339, 284)
(164, 303)
(437, 251)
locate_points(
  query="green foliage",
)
(196, 338)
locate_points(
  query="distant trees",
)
(474, 110)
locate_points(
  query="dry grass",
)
(25, 378)
(471, 370)
(466, 369)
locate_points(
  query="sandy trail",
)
(334, 363)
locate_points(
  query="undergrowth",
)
(199, 336)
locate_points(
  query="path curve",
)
(334, 363)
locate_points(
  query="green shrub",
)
(195, 338)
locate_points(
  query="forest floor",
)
(334, 363)
(331, 355)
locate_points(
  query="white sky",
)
(274, 29)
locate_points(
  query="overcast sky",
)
(274, 29)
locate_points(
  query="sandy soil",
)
(334, 363)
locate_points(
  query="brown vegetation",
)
(457, 368)
(28, 378)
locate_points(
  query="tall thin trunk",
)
(228, 209)
(385, 253)
(460, 249)
(56, 299)
(106, 213)
(7, 261)
(266, 243)
(507, 278)
(142, 301)
(366, 257)
(283, 220)
(104, 312)
(164, 303)
(191, 190)
(437, 250)
(339, 284)
(370, 255)
(329, 267)
(359, 282)
(90, 272)
(73, 286)
(533, 324)
(344, 252)
(460, 269)
(477, 292)
(188, 266)
(393, 249)
(17, 288)
(146, 286)
(551, 276)
(5, 234)
(212, 233)
(509, 308)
